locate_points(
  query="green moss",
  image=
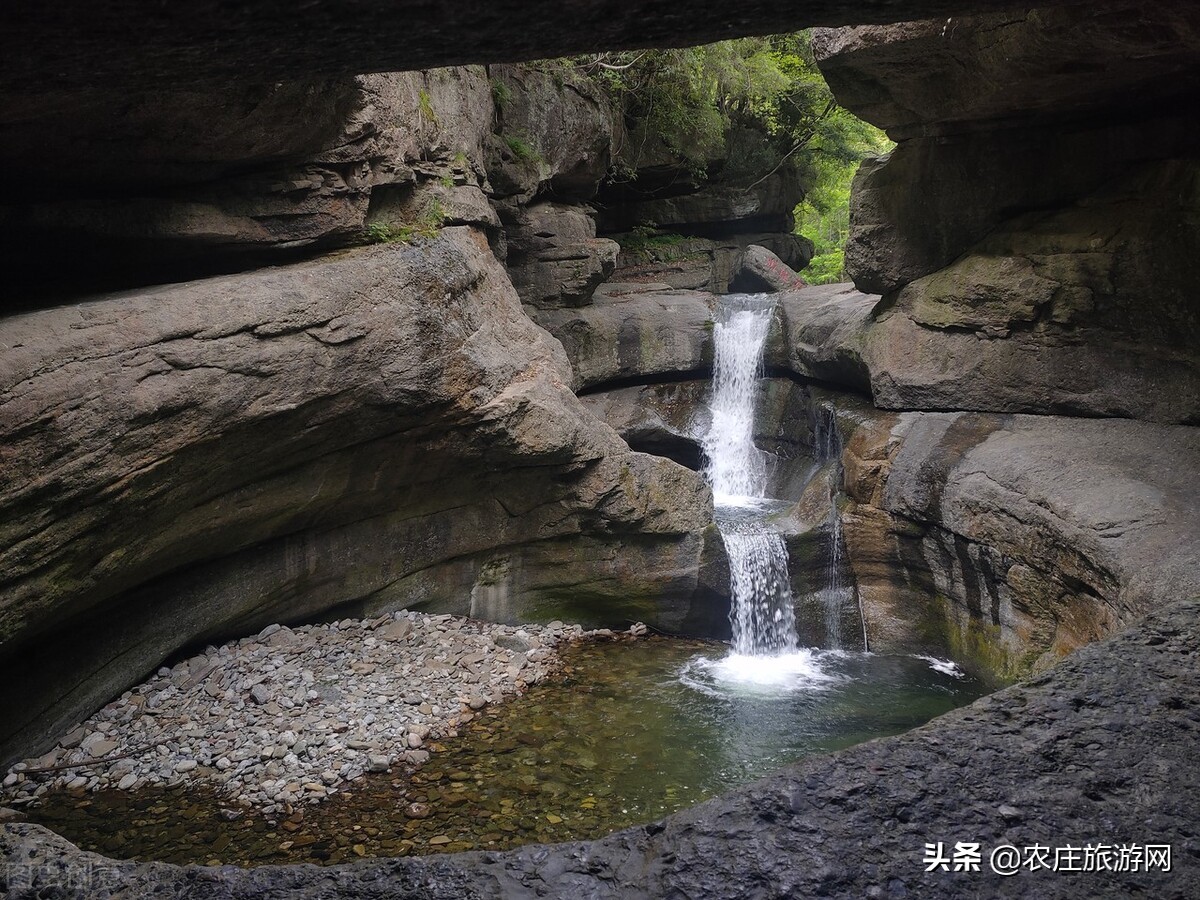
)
(522, 150)
(501, 94)
(648, 244)
(425, 103)
(976, 645)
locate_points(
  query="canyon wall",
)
(1033, 233)
(345, 410)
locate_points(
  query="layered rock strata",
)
(372, 430)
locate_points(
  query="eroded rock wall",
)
(372, 430)
(1033, 234)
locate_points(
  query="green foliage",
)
(750, 106)
(522, 149)
(385, 233)
(501, 95)
(646, 243)
(824, 215)
(425, 103)
(427, 225)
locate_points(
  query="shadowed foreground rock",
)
(127, 42)
(1103, 749)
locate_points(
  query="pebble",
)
(288, 716)
(377, 763)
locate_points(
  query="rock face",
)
(203, 459)
(705, 264)
(1100, 295)
(554, 256)
(1034, 231)
(269, 43)
(198, 178)
(631, 334)
(1018, 562)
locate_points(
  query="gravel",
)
(292, 714)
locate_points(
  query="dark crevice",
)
(645, 380)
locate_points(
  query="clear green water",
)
(627, 733)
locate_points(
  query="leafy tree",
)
(743, 110)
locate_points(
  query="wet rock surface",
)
(1034, 558)
(1100, 749)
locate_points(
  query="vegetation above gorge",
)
(739, 111)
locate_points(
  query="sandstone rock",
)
(628, 333)
(824, 333)
(701, 263)
(1084, 311)
(398, 630)
(315, 375)
(716, 208)
(554, 256)
(555, 131)
(368, 143)
(103, 748)
(663, 419)
(1006, 66)
(1073, 110)
(1040, 556)
(760, 270)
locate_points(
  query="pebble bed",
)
(289, 716)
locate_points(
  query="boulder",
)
(824, 332)
(199, 460)
(701, 264)
(761, 271)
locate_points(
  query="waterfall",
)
(737, 470)
(762, 613)
(827, 445)
(764, 620)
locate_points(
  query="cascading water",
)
(737, 470)
(762, 614)
(764, 621)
